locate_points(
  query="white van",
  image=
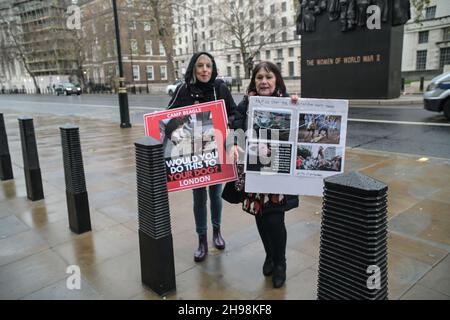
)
(437, 96)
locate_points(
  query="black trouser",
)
(273, 234)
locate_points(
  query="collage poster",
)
(291, 148)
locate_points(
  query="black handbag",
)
(230, 194)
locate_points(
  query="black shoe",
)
(219, 243)
(279, 275)
(268, 266)
(202, 250)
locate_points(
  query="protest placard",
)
(193, 142)
(291, 148)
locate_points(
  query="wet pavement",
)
(36, 245)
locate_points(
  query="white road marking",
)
(402, 122)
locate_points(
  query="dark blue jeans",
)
(200, 209)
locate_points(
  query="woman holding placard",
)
(268, 209)
(202, 86)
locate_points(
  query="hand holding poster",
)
(193, 141)
(291, 148)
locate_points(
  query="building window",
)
(238, 57)
(211, 46)
(272, 38)
(280, 53)
(130, 3)
(233, 44)
(421, 62)
(237, 71)
(284, 22)
(261, 39)
(203, 35)
(279, 66)
(291, 52)
(291, 68)
(229, 71)
(423, 36)
(211, 34)
(283, 6)
(162, 51)
(163, 72)
(136, 75)
(147, 26)
(261, 26)
(272, 9)
(203, 47)
(150, 74)
(284, 36)
(258, 55)
(267, 54)
(148, 47)
(272, 23)
(134, 46)
(445, 57)
(229, 58)
(446, 34)
(430, 12)
(132, 24)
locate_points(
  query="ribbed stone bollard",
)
(76, 193)
(6, 172)
(353, 242)
(33, 178)
(155, 235)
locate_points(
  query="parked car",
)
(437, 96)
(67, 89)
(170, 89)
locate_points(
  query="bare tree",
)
(419, 6)
(13, 45)
(160, 13)
(248, 27)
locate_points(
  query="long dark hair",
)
(280, 87)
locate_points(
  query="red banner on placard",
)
(193, 141)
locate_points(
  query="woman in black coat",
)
(268, 209)
(201, 86)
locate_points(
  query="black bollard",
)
(422, 82)
(155, 235)
(353, 242)
(31, 167)
(6, 172)
(76, 193)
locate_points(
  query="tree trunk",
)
(38, 90)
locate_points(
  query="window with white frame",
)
(148, 47)
(136, 75)
(163, 72)
(130, 3)
(162, 51)
(150, 74)
(134, 46)
(147, 26)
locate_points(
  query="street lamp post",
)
(123, 96)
